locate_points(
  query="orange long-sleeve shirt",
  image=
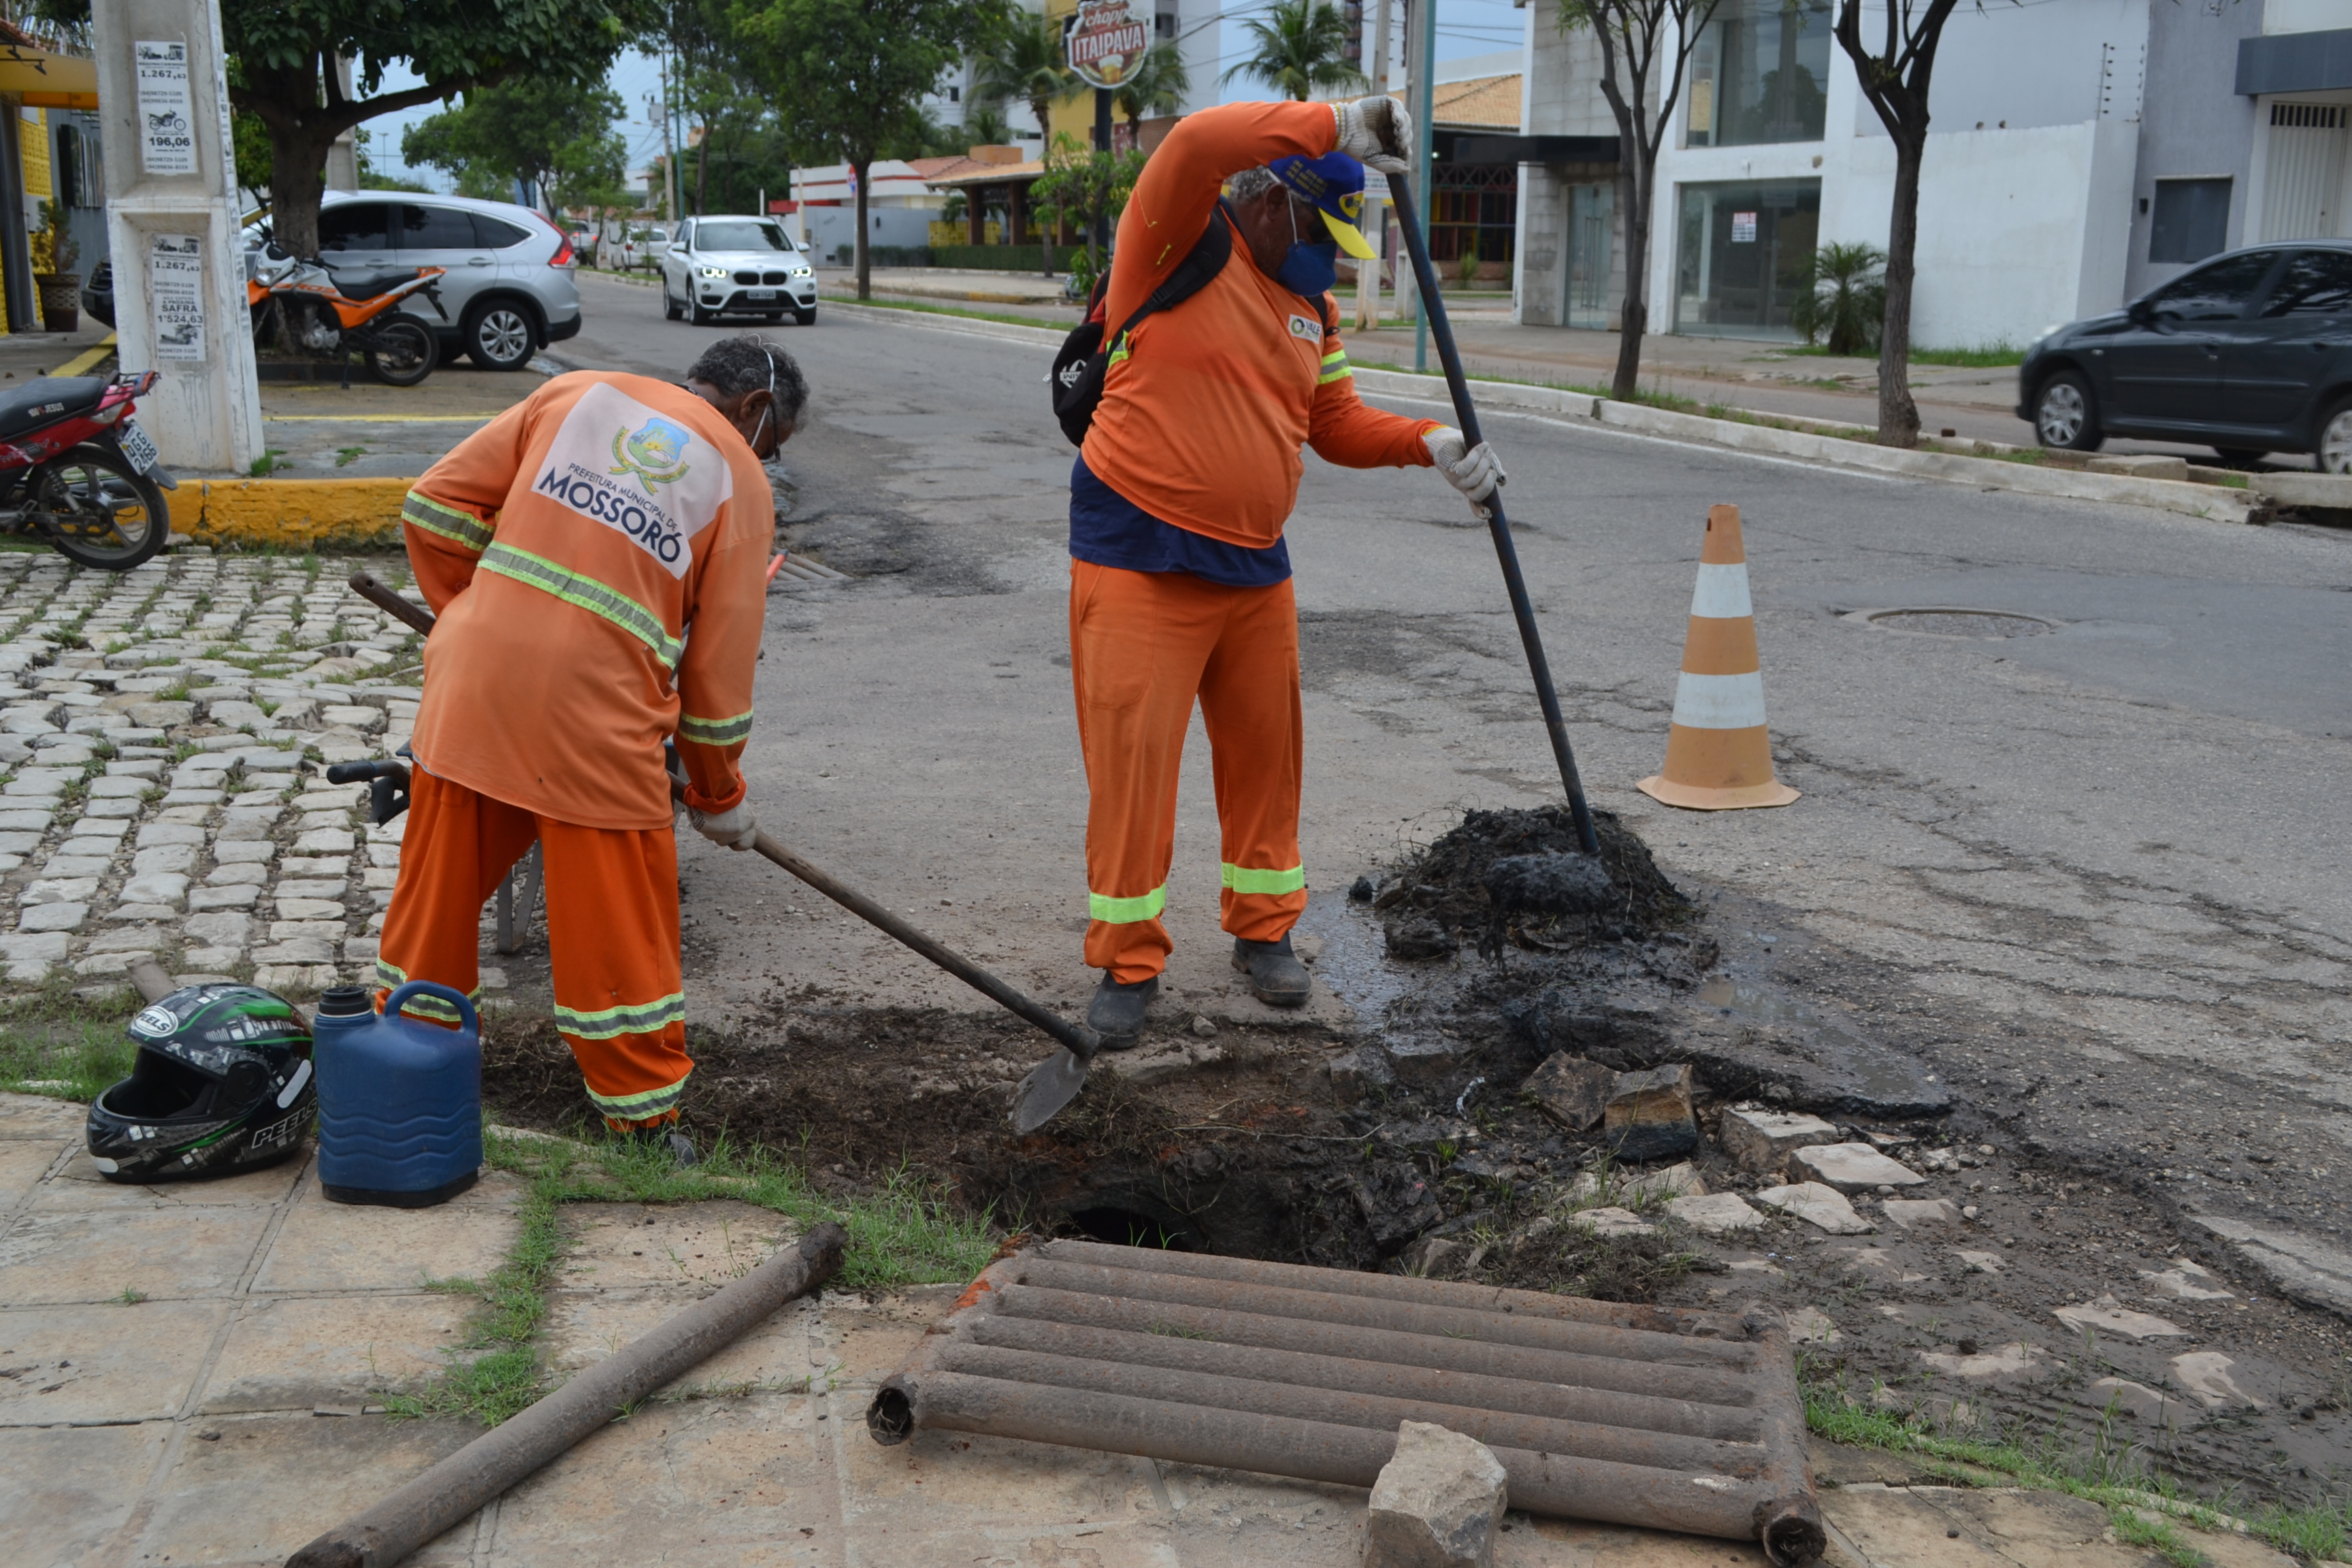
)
(596, 556)
(1201, 421)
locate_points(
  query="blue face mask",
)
(1310, 269)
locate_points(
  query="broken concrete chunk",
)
(2207, 1374)
(1809, 1326)
(1438, 1502)
(1816, 1205)
(1648, 1115)
(2012, 1360)
(1913, 1213)
(1608, 1222)
(1979, 1262)
(1681, 1180)
(2105, 1316)
(2184, 1281)
(1431, 1257)
(1762, 1141)
(1570, 1090)
(1852, 1167)
(1716, 1213)
(2137, 1401)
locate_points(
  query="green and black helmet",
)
(222, 1083)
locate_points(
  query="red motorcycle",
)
(77, 474)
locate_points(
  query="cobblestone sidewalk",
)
(166, 732)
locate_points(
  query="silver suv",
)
(507, 284)
(736, 267)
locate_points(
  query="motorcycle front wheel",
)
(94, 507)
(403, 352)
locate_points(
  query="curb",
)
(290, 515)
(2212, 502)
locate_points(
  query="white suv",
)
(736, 267)
(507, 280)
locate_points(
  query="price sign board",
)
(167, 141)
(1104, 40)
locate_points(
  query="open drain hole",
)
(1133, 1227)
(1952, 622)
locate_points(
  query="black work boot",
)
(667, 1138)
(1276, 976)
(1116, 1012)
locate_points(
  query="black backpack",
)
(1085, 358)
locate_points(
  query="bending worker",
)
(1180, 580)
(597, 558)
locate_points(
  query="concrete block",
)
(1913, 1213)
(1438, 1502)
(219, 928)
(1762, 1141)
(167, 888)
(2144, 465)
(1676, 1180)
(2106, 1316)
(52, 917)
(1608, 1222)
(2317, 493)
(308, 910)
(302, 1352)
(335, 1246)
(1570, 1090)
(71, 1488)
(324, 841)
(2138, 1402)
(161, 715)
(257, 852)
(1852, 1167)
(61, 889)
(131, 940)
(164, 858)
(1649, 1114)
(2206, 1376)
(55, 1259)
(1716, 1213)
(157, 833)
(228, 895)
(1818, 1206)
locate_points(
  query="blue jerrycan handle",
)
(392, 1002)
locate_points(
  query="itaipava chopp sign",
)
(1104, 40)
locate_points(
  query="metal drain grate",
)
(1628, 1414)
(1957, 622)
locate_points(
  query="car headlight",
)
(803, 271)
(714, 272)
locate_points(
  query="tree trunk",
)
(865, 250)
(1633, 315)
(1898, 417)
(297, 156)
(702, 172)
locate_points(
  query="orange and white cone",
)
(1718, 752)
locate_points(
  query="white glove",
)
(733, 827)
(1376, 132)
(1473, 470)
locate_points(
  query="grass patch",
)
(2153, 1533)
(1989, 357)
(923, 310)
(903, 1235)
(64, 1058)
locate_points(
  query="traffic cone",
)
(1719, 753)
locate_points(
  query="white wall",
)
(2306, 15)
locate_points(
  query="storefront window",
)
(1744, 254)
(1474, 210)
(1761, 73)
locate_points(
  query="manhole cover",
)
(1959, 623)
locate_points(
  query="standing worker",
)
(1180, 580)
(596, 556)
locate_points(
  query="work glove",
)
(1473, 470)
(1376, 132)
(733, 827)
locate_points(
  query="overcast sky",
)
(1464, 28)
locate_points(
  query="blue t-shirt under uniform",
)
(1109, 529)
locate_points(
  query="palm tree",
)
(1841, 298)
(984, 125)
(1156, 85)
(1024, 61)
(1300, 46)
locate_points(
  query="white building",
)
(2079, 153)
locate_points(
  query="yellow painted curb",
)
(84, 363)
(290, 515)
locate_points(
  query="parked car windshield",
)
(2215, 293)
(740, 235)
(2317, 283)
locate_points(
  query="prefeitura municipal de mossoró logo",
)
(638, 472)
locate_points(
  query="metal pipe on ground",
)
(462, 1483)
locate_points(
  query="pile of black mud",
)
(1519, 877)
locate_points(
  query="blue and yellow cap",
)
(1335, 185)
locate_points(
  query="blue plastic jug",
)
(400, 1101)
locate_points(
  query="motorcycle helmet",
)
(222, 1083)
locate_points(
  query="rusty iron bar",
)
(1367, 1312)
(1403, 1288)
(1440, 1351)
(1360, 1373)
(1692, 1425)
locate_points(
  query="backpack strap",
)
(1189, 277)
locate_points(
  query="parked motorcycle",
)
(76, 473)
(346, 316)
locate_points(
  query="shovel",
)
(1466, 416)
(1050, 1085)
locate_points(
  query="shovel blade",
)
(1051, 1085)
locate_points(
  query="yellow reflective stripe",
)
(1117, 353)
(1126, 911)
(589, 594)
(642, 1018)
(1341, 373)
(463, 527)
(1334, 353)
(714, 731)
(639, 1106)
(391, 978)
(1245, 879)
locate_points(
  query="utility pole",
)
(1425, 88)
(669, 152)
(1368, 273)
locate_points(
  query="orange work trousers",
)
(612, 931)
(1143, 647)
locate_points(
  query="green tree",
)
(1843, 297)
(1083, 182)
(1023, 59)
(283, 54)
(373, 178)
(984, 125)
(1156, 85)
(847, 75)
(552, 134)
(1299, 47)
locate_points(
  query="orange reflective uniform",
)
(1203, 412)
(596, 557)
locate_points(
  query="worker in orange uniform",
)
(1180, 580)
(596, 556)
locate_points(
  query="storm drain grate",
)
(1959, 623)
(1627, 1414)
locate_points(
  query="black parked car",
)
(2250, 353)
(98, 294)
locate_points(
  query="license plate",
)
(137, 446)
(758, 293)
